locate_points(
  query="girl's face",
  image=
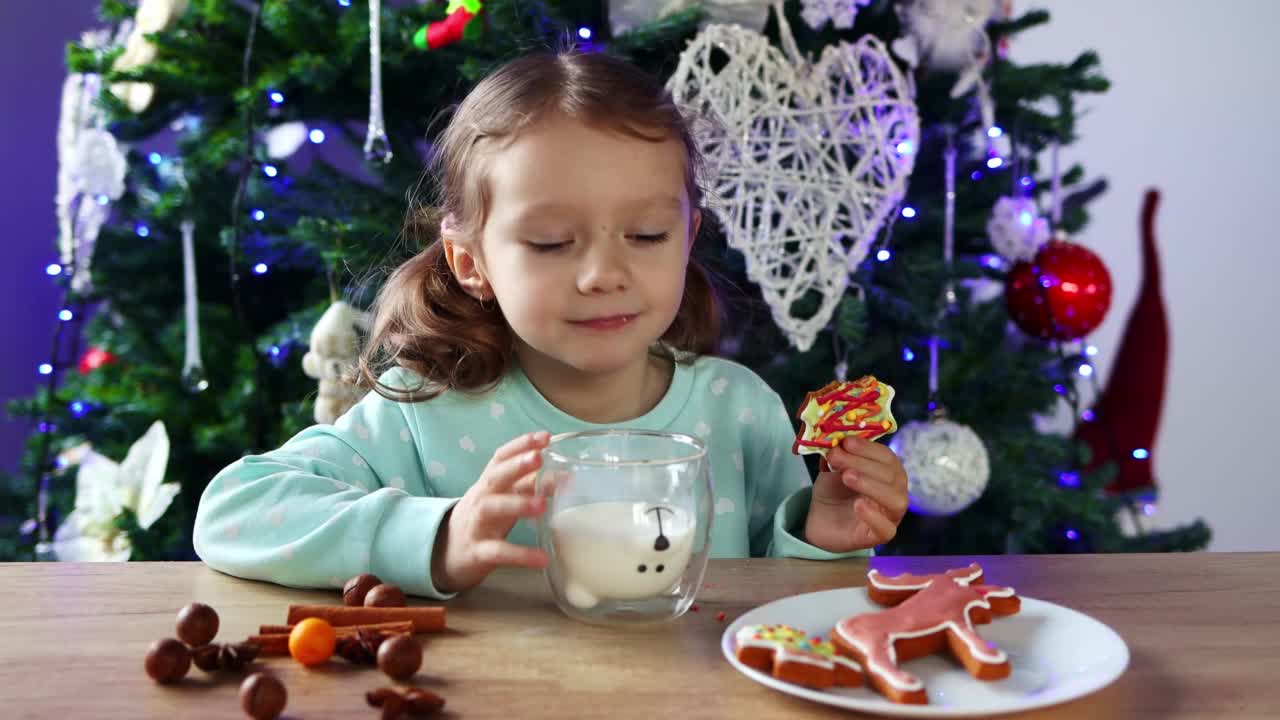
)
(586, 243)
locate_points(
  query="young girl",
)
(559, 297)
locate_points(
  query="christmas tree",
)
(211, 218)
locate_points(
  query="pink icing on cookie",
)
(943, 604)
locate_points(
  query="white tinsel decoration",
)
(626, 15)
(840, 13)
(801, 158)
(334, 352)
(1016, 229)
(946, 463)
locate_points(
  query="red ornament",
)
(94, 358)
(1126, 416)
(1062, 294)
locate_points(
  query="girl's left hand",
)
(858, 499)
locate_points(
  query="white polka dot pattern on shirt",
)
(405, 435)
(738, 462)
(702, 430)
(361, 430)
(497, 410)
(466, 443)
(436, 469)
(747, 416)
(232, 531)
(359, 461)
(339, 485)
(396, 482)
(724, 506)
(719, 385)
(276, 515)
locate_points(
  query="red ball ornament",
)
(95, 358)
(1062, 294)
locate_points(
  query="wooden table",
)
(1204, 632)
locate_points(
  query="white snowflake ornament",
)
(946, 463)
(801, 157)
(1016, 230)
(104, 489)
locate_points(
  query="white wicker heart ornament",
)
(805, 161)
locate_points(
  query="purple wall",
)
(33, 36)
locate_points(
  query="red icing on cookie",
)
(942, 614)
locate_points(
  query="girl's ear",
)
(695, 222)
(463, 262)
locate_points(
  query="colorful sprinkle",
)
(720, 617)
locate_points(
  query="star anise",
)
(232, 657)
(361, 648)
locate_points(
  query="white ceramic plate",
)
(1057, 654)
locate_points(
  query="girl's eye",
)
(651, 237)
(547, 247)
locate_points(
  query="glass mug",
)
(627, 526)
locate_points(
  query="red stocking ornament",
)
(1127, 414)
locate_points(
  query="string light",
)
(155, 158)
(883, 255)
(258, 215)
(1069, 479)
(316, 135)
(975, 175)
(1072, 534)
(584, 33)
(103, 200)
(995, 131)
(905, 147)
(1091, 350)
(908, 212)
(260, 269)
(1086, 370)
(78, 409)
(1025, 181)
(276, 96)
(53, 269)
(45, 369)
(908, 355)
(65, 315)
(1087, 416)
(995, 162)
(344, 3)
(270, 170)
(142, 230)
(1141, 454)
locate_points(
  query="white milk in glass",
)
(621, 550)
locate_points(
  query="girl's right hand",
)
(472, 541)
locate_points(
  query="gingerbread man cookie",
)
(857, 407)
(791, 656)
(940, 614)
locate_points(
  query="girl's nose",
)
(604, 270)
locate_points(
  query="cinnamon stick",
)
(424, 619)
(401, 626)
(271, 645)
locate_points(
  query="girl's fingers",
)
(886, 492)
(523, 443)
(502, 475)
(874, 451)
(505, 509)
(501, 552)
(544, 483)
(878, 527)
